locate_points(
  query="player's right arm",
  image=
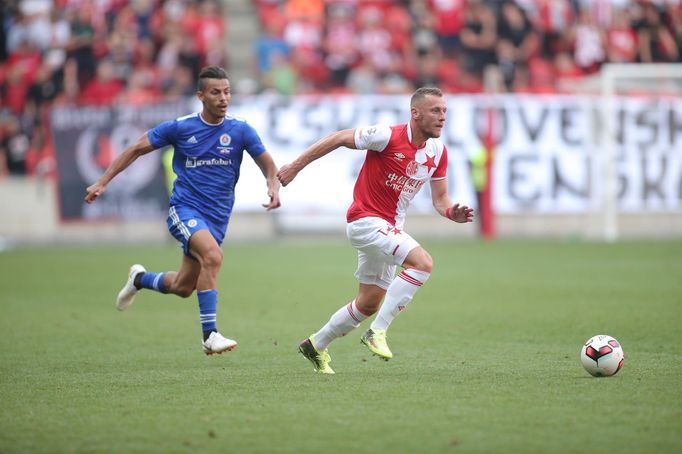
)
(343, 138)
(122, 161)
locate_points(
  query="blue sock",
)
(208, 304)
(152, 281)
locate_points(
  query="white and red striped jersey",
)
(393, 172)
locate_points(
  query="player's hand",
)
(274, 200)
(94, 191)
(287, 173)
(461, 214)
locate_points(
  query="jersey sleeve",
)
(442, 169)
(163, 134)
(252, 143)
(374, 137)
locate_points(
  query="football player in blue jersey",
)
(208, 149)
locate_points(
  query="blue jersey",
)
(206, 161)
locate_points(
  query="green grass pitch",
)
(486, 356)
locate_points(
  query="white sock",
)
(341, 323)
(398, 295)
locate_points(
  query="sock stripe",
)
(155, 284)
(350, 311)
(208, 305)
(410, 279)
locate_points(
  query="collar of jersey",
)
(210, 124)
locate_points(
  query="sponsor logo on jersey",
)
(192, 140)
(192, 163)
(371, 131)
(402, 183)
(399, 156)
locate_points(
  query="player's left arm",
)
(269, 168)
(444, 205)
(324, 146)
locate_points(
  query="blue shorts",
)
(183, 222)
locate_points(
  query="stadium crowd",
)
(100, 52)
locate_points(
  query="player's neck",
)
(418, 139)
(211, 119)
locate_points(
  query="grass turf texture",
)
(486, 357)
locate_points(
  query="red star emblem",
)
(430, 162)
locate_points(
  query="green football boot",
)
(375, 341)
(319, 359)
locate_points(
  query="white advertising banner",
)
(544, 159)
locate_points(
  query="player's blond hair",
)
(423, 92)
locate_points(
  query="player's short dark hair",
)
(210, 72)
(423, 92)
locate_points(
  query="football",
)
(602, 356)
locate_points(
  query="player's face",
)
(429, 115)
(215, 97)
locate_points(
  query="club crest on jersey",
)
(412, 169)
(225, 147)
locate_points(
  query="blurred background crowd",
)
(102, 52)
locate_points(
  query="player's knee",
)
(423, 263)
(368, 302)
(213, 258)
(419, 259)
(367, 307)
(426, 265)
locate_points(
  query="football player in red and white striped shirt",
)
(400, 159)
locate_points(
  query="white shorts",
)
(381, 247)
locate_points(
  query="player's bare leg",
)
(209, 255)
(184, 281)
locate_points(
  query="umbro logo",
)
(192, 140)
(399, 156)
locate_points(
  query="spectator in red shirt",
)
(104, 89)
(448, 14)
(21, 67)
(621, 39)
(140, 90)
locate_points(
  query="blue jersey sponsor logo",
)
(192, 163)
